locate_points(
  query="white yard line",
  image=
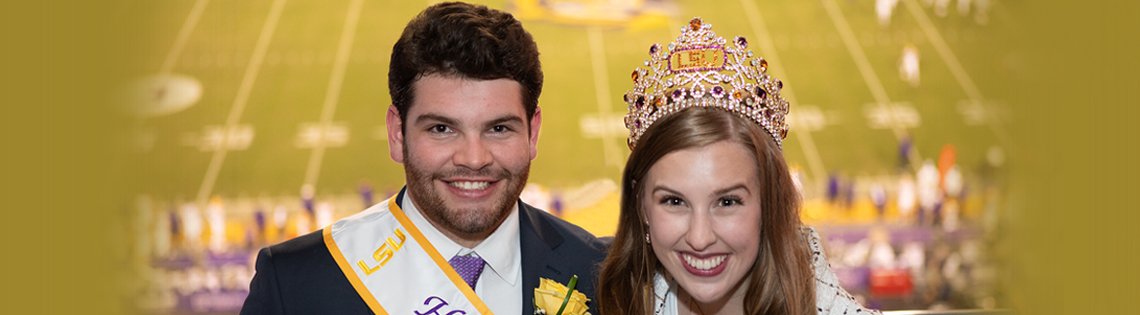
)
(868, 73)
(183, 35)
(764, 38)
(610, 150)
(332, 96)
(956, 69)
(242, 98)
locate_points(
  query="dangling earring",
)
(646, 232)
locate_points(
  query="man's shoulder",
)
(302, 248)
(572, 233)
(300, 276)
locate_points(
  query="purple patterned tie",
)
(468, 267)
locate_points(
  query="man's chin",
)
(476, 215)
(467, 211)
(476, 226)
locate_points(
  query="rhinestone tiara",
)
(701, 69)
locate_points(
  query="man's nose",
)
(473, 153)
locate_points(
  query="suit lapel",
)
(400, 196)
(538, 239)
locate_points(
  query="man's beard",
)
(465, 221)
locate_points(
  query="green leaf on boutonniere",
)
(573, 282)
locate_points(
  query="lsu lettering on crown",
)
(701, 69)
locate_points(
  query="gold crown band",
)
(700, 69)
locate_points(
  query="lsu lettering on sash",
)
(394, 268)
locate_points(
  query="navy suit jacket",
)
(299, 276)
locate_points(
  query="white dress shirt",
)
(499, 285)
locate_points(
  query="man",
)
(464, 121)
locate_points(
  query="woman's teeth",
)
(704, 264)
(470, 185)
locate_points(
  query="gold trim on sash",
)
(441, 263)
(351, 274)
(467, 290)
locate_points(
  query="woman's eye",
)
(730, 201)
(672, 201)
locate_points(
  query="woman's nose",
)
(701, 234)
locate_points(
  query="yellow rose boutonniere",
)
(550, 298)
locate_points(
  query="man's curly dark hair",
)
(466, 41)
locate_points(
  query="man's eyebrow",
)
(429, 117)
(504, 120)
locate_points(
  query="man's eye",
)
(499, 129)
(440, 128)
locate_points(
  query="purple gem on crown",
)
(740, 41)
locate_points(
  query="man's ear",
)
(535, 123)
(395, 134)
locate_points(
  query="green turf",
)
(292, 84)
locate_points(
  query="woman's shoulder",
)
(830, 297)
(819, 264)
(811, 237)
(815, 247)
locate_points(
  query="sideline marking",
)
(343, 51)
(598, 126)
(900, 114)
(247, 81)
(957, 70)
(864, 65)
(807, 142)
(311, 135)
(183, 35)
(214, 137)
(811, 118)
(610, 150)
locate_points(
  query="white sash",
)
(394, 268)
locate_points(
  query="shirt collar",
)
(501, 250)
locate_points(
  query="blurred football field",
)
(294, 92)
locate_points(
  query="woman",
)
(709, 219)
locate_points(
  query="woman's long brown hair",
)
(781, 278)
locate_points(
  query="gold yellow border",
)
(439, 261)
(351, 274)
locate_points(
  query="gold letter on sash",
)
(400, 235)
(366, 269)
(384, 253)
